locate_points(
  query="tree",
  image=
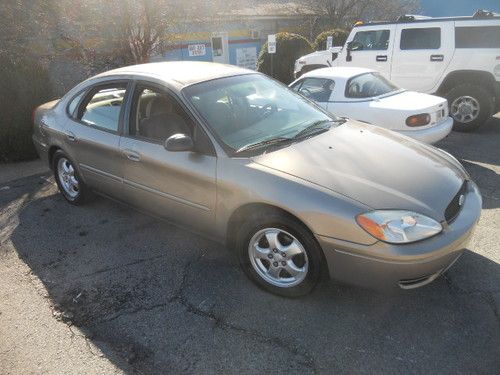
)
(289, 47)
(143, 24)
(339, 38)
(343, 13)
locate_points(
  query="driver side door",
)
(373, 48)
(179, 186)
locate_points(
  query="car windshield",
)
(249, 111)
(369, 85)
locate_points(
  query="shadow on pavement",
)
(160, 299)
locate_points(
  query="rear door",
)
(372, 48)
(180, 186)
(93, 134)
(422, 51)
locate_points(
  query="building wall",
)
(245, 40)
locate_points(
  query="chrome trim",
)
(165, 195)
(101, 173)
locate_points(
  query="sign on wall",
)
(271, 43)
(246, 57)
(197, 50)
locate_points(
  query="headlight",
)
(398, 226)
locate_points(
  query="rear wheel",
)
(68, 180)
(470, 106)
(279, 254)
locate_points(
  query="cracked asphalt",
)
(104, 289)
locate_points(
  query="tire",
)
(294, 238)
(472, 96)
(68, 180)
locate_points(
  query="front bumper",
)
(386, 266)
(433, 134)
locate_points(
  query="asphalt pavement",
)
(104, 289)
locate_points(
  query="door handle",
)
(70, 136)
(132, 155)
(381, 58)
(437, 57)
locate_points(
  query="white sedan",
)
(364, 95)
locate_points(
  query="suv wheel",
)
(470, 106)
(279, 254)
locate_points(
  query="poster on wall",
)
(196, 50)
(246, 57)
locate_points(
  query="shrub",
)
(289, 47)
(25, 85)
(339, 38)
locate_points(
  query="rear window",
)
(477, 37)
(368, 85)
(423, 38)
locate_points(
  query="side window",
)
(102, 107)
(157, 115)
(374, 40)
(424, 38)
(317, 89)
(477, 37)
(74, 103)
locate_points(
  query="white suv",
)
(457, 58)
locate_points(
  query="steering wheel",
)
(267, 110)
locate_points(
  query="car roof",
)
(425, 20)
(182, 73)
(338, 72)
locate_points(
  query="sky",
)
(445, 8)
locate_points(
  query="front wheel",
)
(279, 254)
(470, 106)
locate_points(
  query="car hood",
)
(374, 166)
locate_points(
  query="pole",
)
(272, 65)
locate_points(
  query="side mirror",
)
(179, 142)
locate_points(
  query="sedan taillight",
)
(418, 120)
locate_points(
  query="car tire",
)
(293, 239)
(68, 180)
(472, 98)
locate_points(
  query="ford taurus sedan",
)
(363, 94)
(292, 189)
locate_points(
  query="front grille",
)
(454, 207)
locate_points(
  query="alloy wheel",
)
(278, 257)
(465, 109)
(67, 178)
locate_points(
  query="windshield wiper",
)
(267, 142)
(314, 128)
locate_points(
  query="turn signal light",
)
(418, 120)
